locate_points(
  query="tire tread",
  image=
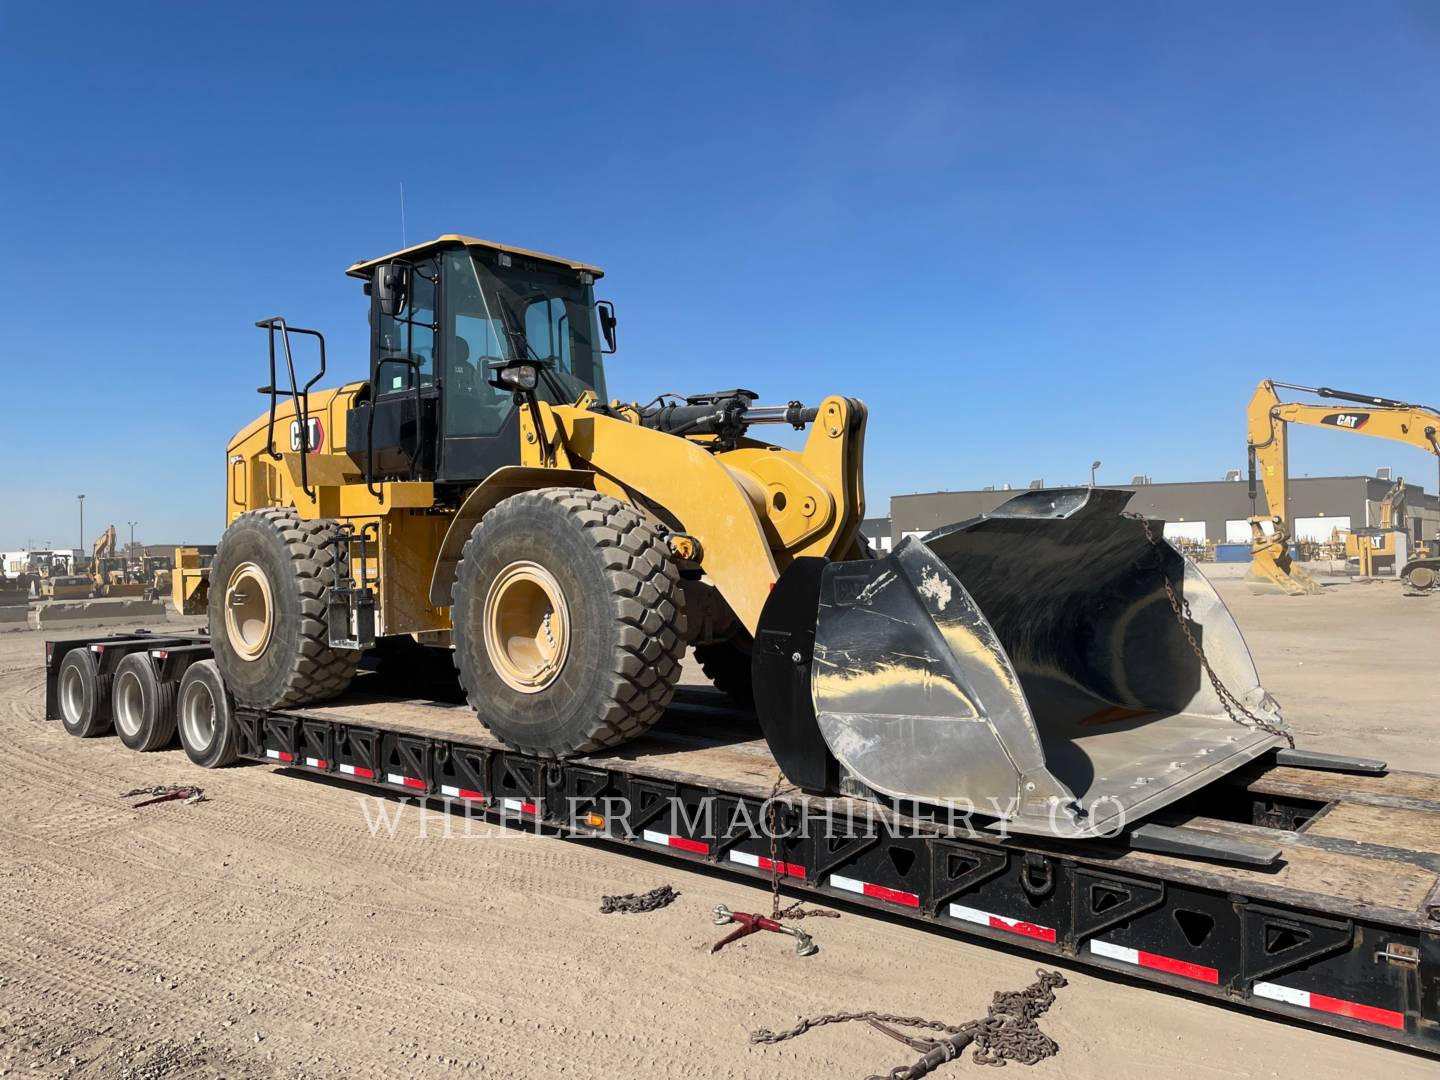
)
(647, 660)
(317, 671)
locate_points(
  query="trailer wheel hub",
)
(197, 715)
(72, 694)
(249, 611)
(128, 703)
(527, 627)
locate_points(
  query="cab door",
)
(479, 423)
(405, 354)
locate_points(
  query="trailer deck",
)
(1342, 929)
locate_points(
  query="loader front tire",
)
(268, 588)
(568, 620)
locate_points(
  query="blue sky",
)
(1028, 234)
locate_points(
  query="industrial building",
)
(1215, 510)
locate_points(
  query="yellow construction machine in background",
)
(1268, 421)
(1376, 548)
(111, 573)
(189, 579)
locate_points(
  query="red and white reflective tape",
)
(999, 922)
(461, 793)
(518, 804)
(679, 842)
(789, 869)
(1156, 962)
(279, 755)
(357, 770)
(316, 762)
(404, 781)
(1335, 1006)
(879, 892)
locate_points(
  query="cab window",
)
(405, 344)
(476, 339)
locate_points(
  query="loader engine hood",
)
(1028, 664)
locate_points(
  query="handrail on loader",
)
(300, 395)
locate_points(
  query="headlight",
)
(521, 376)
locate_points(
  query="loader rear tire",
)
(267, 611)
(727, 665)
(568, 620)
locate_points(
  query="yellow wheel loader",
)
(1053, 664)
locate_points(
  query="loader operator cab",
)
(446, 319)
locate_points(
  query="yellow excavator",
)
(112, 573)
(1268, 422)
(479, 492)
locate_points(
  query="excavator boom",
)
(1268, 421)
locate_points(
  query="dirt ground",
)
(268, 932)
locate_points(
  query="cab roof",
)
(364, 269)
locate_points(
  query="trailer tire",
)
(273, 646)
(568, 622)
(206, 717)
(143, 707)
(727, 665)
(84, 695)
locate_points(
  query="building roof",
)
(363, 269)
(1241, 483)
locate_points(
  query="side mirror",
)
(390, 286)
(606, 311)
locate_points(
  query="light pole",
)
(130, 552)
(1093, 466)
(81, 549)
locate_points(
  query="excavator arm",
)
(1268, 420)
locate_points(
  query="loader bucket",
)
(1027, 664)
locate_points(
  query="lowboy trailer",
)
(1303, 885)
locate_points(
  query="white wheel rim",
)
(249, 611)
(526, 627)
(197, 716)
(129, 703)
(72, 694)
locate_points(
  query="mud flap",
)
(1027, 666)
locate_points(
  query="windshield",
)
(525, 310)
